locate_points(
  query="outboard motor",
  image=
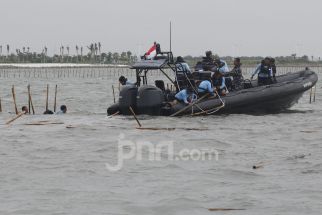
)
(149, 100)
(160, 84)
(127, 99)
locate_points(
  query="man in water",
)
(25, 109)
(123, 81)
(63, 110)
(264, 72)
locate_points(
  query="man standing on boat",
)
(182, 66)
(221, 65)
(237, 75)
(264, 72)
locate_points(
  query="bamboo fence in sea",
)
(109, 72)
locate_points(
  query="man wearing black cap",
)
(182, 66)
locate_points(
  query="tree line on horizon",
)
(92, 54)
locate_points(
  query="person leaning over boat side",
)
(218, 81)
(182, 66)
(205, 87)
(237, 74)
(123, 81)
(185, 96)
(264, 72)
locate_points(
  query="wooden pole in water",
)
(190, 105)
(55, 102)
(132, 111)
(30, 100)
(311, 95)
(314, 93)
(47, 97)
(16, 117)
(0, 106)
(113, 93)
(14, 99)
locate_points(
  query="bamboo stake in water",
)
(55, 102)
(314, 93)
(16, 117)
(47, 97)
(14, 99)
(30, 100)
(113, 93)
(132, 111)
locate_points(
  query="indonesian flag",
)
(152, 52)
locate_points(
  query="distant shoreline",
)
(59, 65)
(68, 65)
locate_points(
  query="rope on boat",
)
(210, 111)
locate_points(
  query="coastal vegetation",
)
(93, 54)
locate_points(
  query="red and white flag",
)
(152, 52)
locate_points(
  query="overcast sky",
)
(227, 27)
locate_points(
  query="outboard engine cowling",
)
(149, 100)
(127, 98)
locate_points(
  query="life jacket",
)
(265, 71)
(217, 82)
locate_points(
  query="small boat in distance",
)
(251, 98)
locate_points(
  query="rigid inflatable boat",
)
(251, 98)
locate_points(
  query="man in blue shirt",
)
(205, 87)
(186, 96)
(221, 65)
(219, 83)
(182, 66)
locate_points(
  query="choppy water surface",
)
(52, 169)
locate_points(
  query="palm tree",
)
(81, 54)
(62, 53)
(8, 50)
(77, 53)
(92, 50)
(45, 56)
(99, 51)
(67, 53)
(18, 54)
(96, 50)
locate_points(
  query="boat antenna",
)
(170, 36)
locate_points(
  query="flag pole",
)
(170, 36)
